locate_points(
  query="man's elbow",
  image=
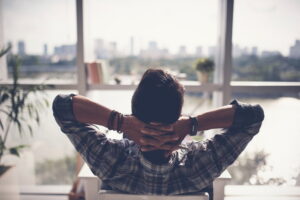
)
(260, 115)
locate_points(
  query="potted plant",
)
(20, 108)
(204, 68)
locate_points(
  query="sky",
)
(269, 24)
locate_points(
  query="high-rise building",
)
(65, 52)
(112, 50)
(154, 52)
(100, 51)
(254, 51)
(152, 46)
(45, 50)
(198, 52)
(270, 53)
(295, 50)
(212, 51)
(182, 51)
(21, 48)
(131, 46)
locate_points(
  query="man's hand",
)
(153, 136)
(165, 137)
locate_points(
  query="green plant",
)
(18, 107)
(205, 65)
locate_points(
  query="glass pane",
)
(132, 35)
(43, 36)
(266, 40)
(49, 157)
(272, 157)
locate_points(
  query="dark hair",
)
(158, 98)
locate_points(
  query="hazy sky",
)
(268, 24)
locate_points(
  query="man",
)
(152, 160)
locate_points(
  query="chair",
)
(205, 194)
(112, 195)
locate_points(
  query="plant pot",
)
(9, 187)
(202, 77)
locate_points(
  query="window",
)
(273, 155)
(130, 36)
(266, 41)
(44, 42)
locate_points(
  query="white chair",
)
(113, 195)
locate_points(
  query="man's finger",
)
(149, 141)
(162, 127)
(167, 138)
(150, 131)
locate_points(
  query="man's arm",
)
(234, 116)
(72, 112)
(218, 118)
(99, 152)
(217, 153)
(87, 111)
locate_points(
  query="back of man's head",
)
(158, 98)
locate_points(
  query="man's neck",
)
(156, 157)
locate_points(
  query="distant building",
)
(152, 46)
(295, 50)
(238, 51)
(153, 51)
(21, 48)
(100, 51)
(165, 53)
(105, 50)
(212, 51)
(45, 50)
(182, 51)
(254, 51)
(112, 50)
(198, 52)
(65, 52)
(270, 53)
(131, 46)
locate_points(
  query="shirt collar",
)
(163, 168)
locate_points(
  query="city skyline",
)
(256, 24)
(107, 50)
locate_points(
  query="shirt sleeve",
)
(100, 153)
(214, 155)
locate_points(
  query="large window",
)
(266, 47)
(126, 37)
(43, 38)
(272, 157)
(131, 36)
(266, 40)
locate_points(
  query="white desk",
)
(92, 184)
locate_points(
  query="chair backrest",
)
(113, 195)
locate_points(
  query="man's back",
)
(121, 165)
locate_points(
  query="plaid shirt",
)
(120, 164)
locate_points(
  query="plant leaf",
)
(1, 124)
(15, 150)
(4, 51)
(4, 97)
(30, 129)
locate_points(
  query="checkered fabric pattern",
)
(120, 164)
